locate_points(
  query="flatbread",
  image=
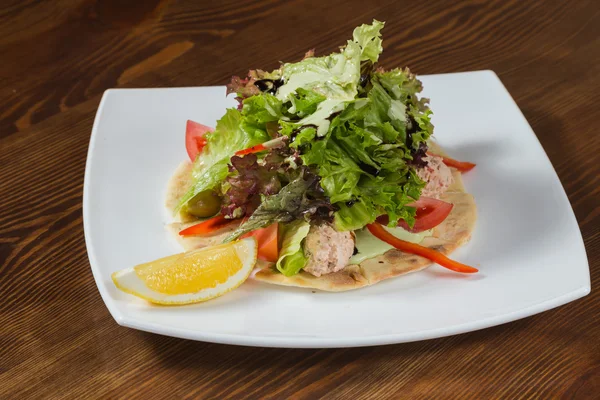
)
(448, 236)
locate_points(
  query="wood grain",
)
(57, 339)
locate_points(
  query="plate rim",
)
(316, 342)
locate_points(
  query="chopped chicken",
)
(437, 175)
(327, 250)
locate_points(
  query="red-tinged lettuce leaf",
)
(256, 82)
(301, 199)
(310, 53)
(250, 179)
(242, 87)
(246, 183)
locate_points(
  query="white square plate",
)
(527, 242)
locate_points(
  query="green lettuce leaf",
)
(339, 172)
(293, 263)
(305, 102)
(368, 38)
(399, 83)
(257, 111)
(292, 258)
(402, 87)
(356, 216)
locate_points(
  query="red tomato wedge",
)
(268, 242)
(462, 166)
(194, 138)
(379, 232)
(430, 213)
(206, 227)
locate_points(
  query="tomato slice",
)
(412, 248)
(194, 138)
(268, 243)
(430, 213)
(206, 227)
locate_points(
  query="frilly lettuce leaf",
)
(339, 173)
(257, 111)
(368, 38)
(335, 76)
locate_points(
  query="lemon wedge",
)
(190, 277)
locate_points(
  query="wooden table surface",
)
(57, 57)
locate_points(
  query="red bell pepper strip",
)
(250, 150)
(462, 166)
(206, 227)
(379, 232)
(271, 144)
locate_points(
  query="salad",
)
(327, 168)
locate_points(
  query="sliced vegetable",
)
(271, 144)
(462, 166)
(194, 138)
(206, 227)
(267, 239)
(430, 213)
(412, 248)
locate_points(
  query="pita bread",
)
(449, 235)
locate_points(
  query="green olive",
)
(204, 204)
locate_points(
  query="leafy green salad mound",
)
(351, 136)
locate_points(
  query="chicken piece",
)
(327, 250)
(437, 175)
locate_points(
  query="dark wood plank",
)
(65, 52)
(57, 338)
